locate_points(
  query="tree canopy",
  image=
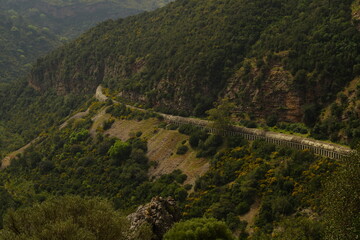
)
(199, 228)
(67, 217)
(341, 200)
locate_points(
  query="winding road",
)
(326, 149)
(330, 150)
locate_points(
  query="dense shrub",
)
(196, 136)
(188, 129)
(66, 217)
(236, 141)
(271, 120)
(199, 228)
(108, 123)
(293, 127)
(139, 156)
(182, 150)
(172, 127)
(79, 135)
(120, 151)
(213, 141)
(46, 166)
(248, 123)
(262, 148)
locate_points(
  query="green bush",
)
(249, 124)
(311, 112)
(171, 126)
(182, 150)
(271, 120)
(262, 148)
(196, 136)
(188, 187)
(233, 221)
(242, 208)
(180, 178)
(46, 166)
(79, 136)
(120, 151)
(188, 129)
(207, 152)
(299, 228)
(108, 123)
(139, 156)
(118, 110)
(213, 141)
(68, 217)
(138, 143)
(236, 141)
(199, 228)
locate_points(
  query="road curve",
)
(330, 150)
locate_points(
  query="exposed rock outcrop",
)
(160, 214)
(266, 91)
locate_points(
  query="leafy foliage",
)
(341, 200)
(67, 217)
(221, 115)
(199, 228)
(153, 47)
(151, 53)
(32, 28)
(238, 177)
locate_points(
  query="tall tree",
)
(221, 114)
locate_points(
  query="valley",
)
(185, 119)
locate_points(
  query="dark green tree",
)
(221, 114)
(68, 217)
(120, 151)
(199, 228)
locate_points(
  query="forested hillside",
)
(278, 61)
(283, 65)
(288, 59)
(31, 28)
(251, 190)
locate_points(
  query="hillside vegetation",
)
(281, 61)
(31, 28)
(286, 60)
(280, 186)
(182, 57)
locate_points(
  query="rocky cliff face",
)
(160, 214)
(264, 91)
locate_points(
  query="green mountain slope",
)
(31, 28)
(284, 59)
(280, 60)
(255, 187)
(182, 57)
(182, 53)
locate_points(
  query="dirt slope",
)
(162, 146)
